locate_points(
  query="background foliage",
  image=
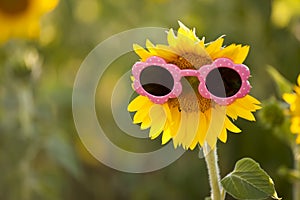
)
(41, 156)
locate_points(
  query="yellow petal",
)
(192, 128)
(216, 126)
(241, 112)
(167, 129)
(182, 28)
(175, 125)
(236, 53)
(33, 29)
(137, 103)
(165, 52)
(203, 128)
(226, 51)
(141, 52)
(252, 99)
(295, 125)
(139, 116)
(246, 103)
(142, 113)
(242, 54)
(184, 44)
(146, 123)
(187, 129)
(166, 136)
(223, 135)
(232, 52)
(199, 49)
(193, 145)
(181, 131)
(176, 116)
(186, 34)
(132, 78)
(298, 80)
(48, 5)
(158, 119)
(289, 98)
(151, 47)
(246, 114)
(215, 45)
(201, 133)
(171, 38)
(149, 44)
(168, 112)
(298, 139)
(231, 112)
(297, 90)
(231, 127)
(202, 43)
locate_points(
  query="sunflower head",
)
(21, 18)
(13, 7)
(200, 108)
(293, 99)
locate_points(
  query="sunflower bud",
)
(272, 114)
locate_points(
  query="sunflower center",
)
(13, 7)
(197, 60)
(188, 103)
(191, 100)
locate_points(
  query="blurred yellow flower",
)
(283, 11)
(21, 18)
(294, 100)
(191, 121)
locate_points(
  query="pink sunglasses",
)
(222, 81)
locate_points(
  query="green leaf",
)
(61, 150)
(283, 85)
(249, 181)
(290, 174)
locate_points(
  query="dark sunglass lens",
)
(156, 80)
(223, 82)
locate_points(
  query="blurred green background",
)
(41, 155)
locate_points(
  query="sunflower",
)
(294, 100)
(191, 119)
(21, 18)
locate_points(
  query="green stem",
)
(25, 98)
(211, 159)
(296, 183)
(25, 109)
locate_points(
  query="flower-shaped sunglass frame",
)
(200, 73)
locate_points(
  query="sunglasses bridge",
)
(189, 72)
